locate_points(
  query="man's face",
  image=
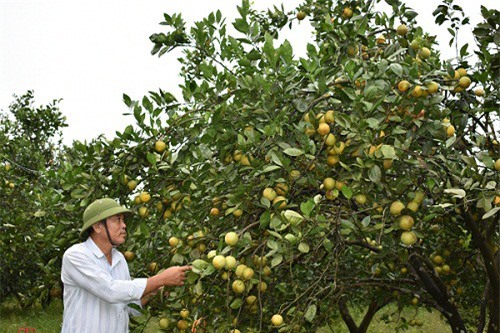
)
(117, 228)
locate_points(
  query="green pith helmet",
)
(99, 210)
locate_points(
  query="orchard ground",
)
(50, 319)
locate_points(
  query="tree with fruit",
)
(363, 173)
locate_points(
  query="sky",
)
(89, 53)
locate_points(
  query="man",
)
(97, 283)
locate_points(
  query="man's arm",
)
(173, 276)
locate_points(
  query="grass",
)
(48, 320)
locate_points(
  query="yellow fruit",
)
(414, 301)
(461, 72)
(387, 164)
(338, 148)
(238, 286)
(237, 212)
(332, 160)
(182, 324)
(329, 183)
(432, 87)
(360, 199)
(163, 323)
(239, 270)
(277, 320)
(237, 155)
(262, 286)
(231, 238)
(450, 130)
(330, 117)
(7, 166)
(219, 262)
(404, 270)
(479, 92)
(417, 91)
(269, 193)
(252, 299)
(446, 269)
(464, 82)
(129, 255)
(408, 238)
(281, 189)
(402, 30)
(347, 13)
(396, 208)
(323, 129)
(496, 201)
(137, 200)
(214, 211)
(419, 196)
(145, 197)
(415, 45)
(413, 206)
(131, 184)
(211, 254)
(425, 53)
(245, 160)
(143, 211)
(294, 174)
(160, 146)
(438, 260)
(406, 222)
(403, 85)
(280, 199)
(230, 263)
(173, 241)
(153, 267)
(266, 271)
(184, 313)
(301, 15)
(247, 274)
(167, 214)
(330, 140)
(380, 39)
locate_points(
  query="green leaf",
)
(151, 159)
(375, 174)
(396, 69)
(236, 304)
(347, 192)
(307, 207)
(310, 313)
(458, 192)
(491, 213)
(388, 152)
(303, 247)
(277, 260)
(293, 152)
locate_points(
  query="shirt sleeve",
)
(81, 271)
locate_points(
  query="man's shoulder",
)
(75, 248)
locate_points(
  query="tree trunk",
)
(437, 290)
(373, 308)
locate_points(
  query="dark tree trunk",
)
(373, 308)
(437, 290)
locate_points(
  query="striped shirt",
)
(96, 293)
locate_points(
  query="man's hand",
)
(174, 276)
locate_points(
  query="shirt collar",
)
(98, 253)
